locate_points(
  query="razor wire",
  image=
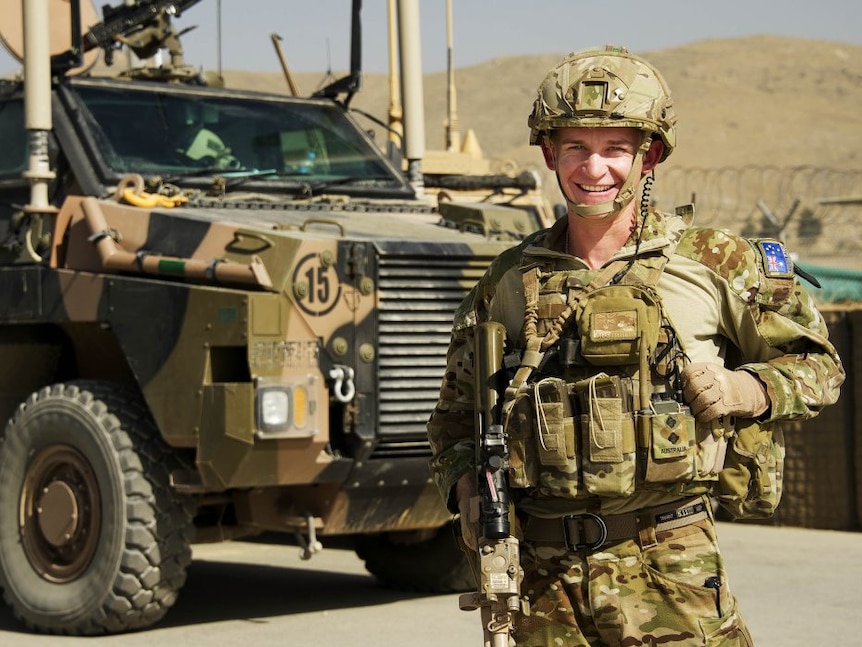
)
(813, 208)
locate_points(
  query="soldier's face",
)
(593, 163)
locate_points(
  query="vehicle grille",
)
(418, 296)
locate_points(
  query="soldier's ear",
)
(549, 153)
(653, 156)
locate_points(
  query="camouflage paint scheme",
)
(302, 294)
(173, 334)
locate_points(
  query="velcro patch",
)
(613, 326)
(776, 261)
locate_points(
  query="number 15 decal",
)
(315, 286)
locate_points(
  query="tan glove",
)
(712, 391)
(468, 507)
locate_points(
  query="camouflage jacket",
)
(727, 306)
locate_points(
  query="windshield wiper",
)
(370, 180)
(309, 188)
(227, 174)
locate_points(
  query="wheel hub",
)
(60, 513)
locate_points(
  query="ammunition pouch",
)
(574, 440)
(571, 440)
(607, 433)
(540, 428)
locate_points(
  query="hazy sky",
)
(315, 33)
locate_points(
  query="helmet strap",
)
(626, 194)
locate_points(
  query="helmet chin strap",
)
(626, 194)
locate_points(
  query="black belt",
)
(590, 531)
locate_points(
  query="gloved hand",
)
(712, 391)
(468, 507)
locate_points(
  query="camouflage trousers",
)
(669, 588)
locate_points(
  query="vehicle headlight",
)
(286, 408)
(274, 408)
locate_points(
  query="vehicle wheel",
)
(92, 539)
(430, 565)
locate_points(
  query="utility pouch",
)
(749, 486)
(611, 321)
(608, 461)
(666, 434)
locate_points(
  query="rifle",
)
(500, 573)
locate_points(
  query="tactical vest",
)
(595, 405)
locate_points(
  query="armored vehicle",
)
(222, 314)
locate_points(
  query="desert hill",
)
(764, 121)
(763, 100)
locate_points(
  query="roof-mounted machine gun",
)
(144, 26)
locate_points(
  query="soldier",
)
(649, 360)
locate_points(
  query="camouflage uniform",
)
(669, 586)
(653, 574)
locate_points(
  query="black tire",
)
(433, 565)
(92, 539)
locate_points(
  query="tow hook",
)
(310, 546)
(344, 390)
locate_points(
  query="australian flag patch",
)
(776, 261)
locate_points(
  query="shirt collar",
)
(656, 232)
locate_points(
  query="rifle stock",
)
(500, 571)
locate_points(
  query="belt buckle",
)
(579, 519)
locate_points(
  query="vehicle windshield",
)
(197, 134)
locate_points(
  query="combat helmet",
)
(608, 87)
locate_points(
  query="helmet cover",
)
(604, 88)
